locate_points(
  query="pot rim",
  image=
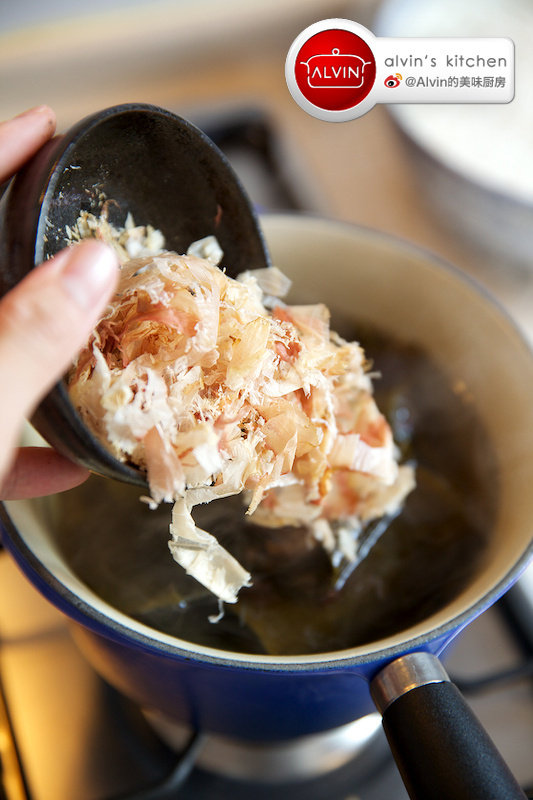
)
(149, 639)
(120, 627)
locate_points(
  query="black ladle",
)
(147, 161)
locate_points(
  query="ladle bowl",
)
(142, 160)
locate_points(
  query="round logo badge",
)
(331, 70)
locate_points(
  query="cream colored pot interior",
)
(364, 276)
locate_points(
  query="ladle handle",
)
(441, 749)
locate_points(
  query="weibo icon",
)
(393, 81)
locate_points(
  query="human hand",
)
(44, 321)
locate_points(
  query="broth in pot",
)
(302, 601)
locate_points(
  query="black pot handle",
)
(441, 749)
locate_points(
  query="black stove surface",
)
(162, 774)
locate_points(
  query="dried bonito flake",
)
(192, 378)
(130, 241)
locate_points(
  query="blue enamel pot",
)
(365, 276)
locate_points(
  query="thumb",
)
(44, 322)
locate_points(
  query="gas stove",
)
(66, 735)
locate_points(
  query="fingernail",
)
(89, 272)
(43, 109)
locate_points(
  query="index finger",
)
(22, 136)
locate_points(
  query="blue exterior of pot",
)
(242, 697)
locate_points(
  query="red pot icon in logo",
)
(335, 69)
